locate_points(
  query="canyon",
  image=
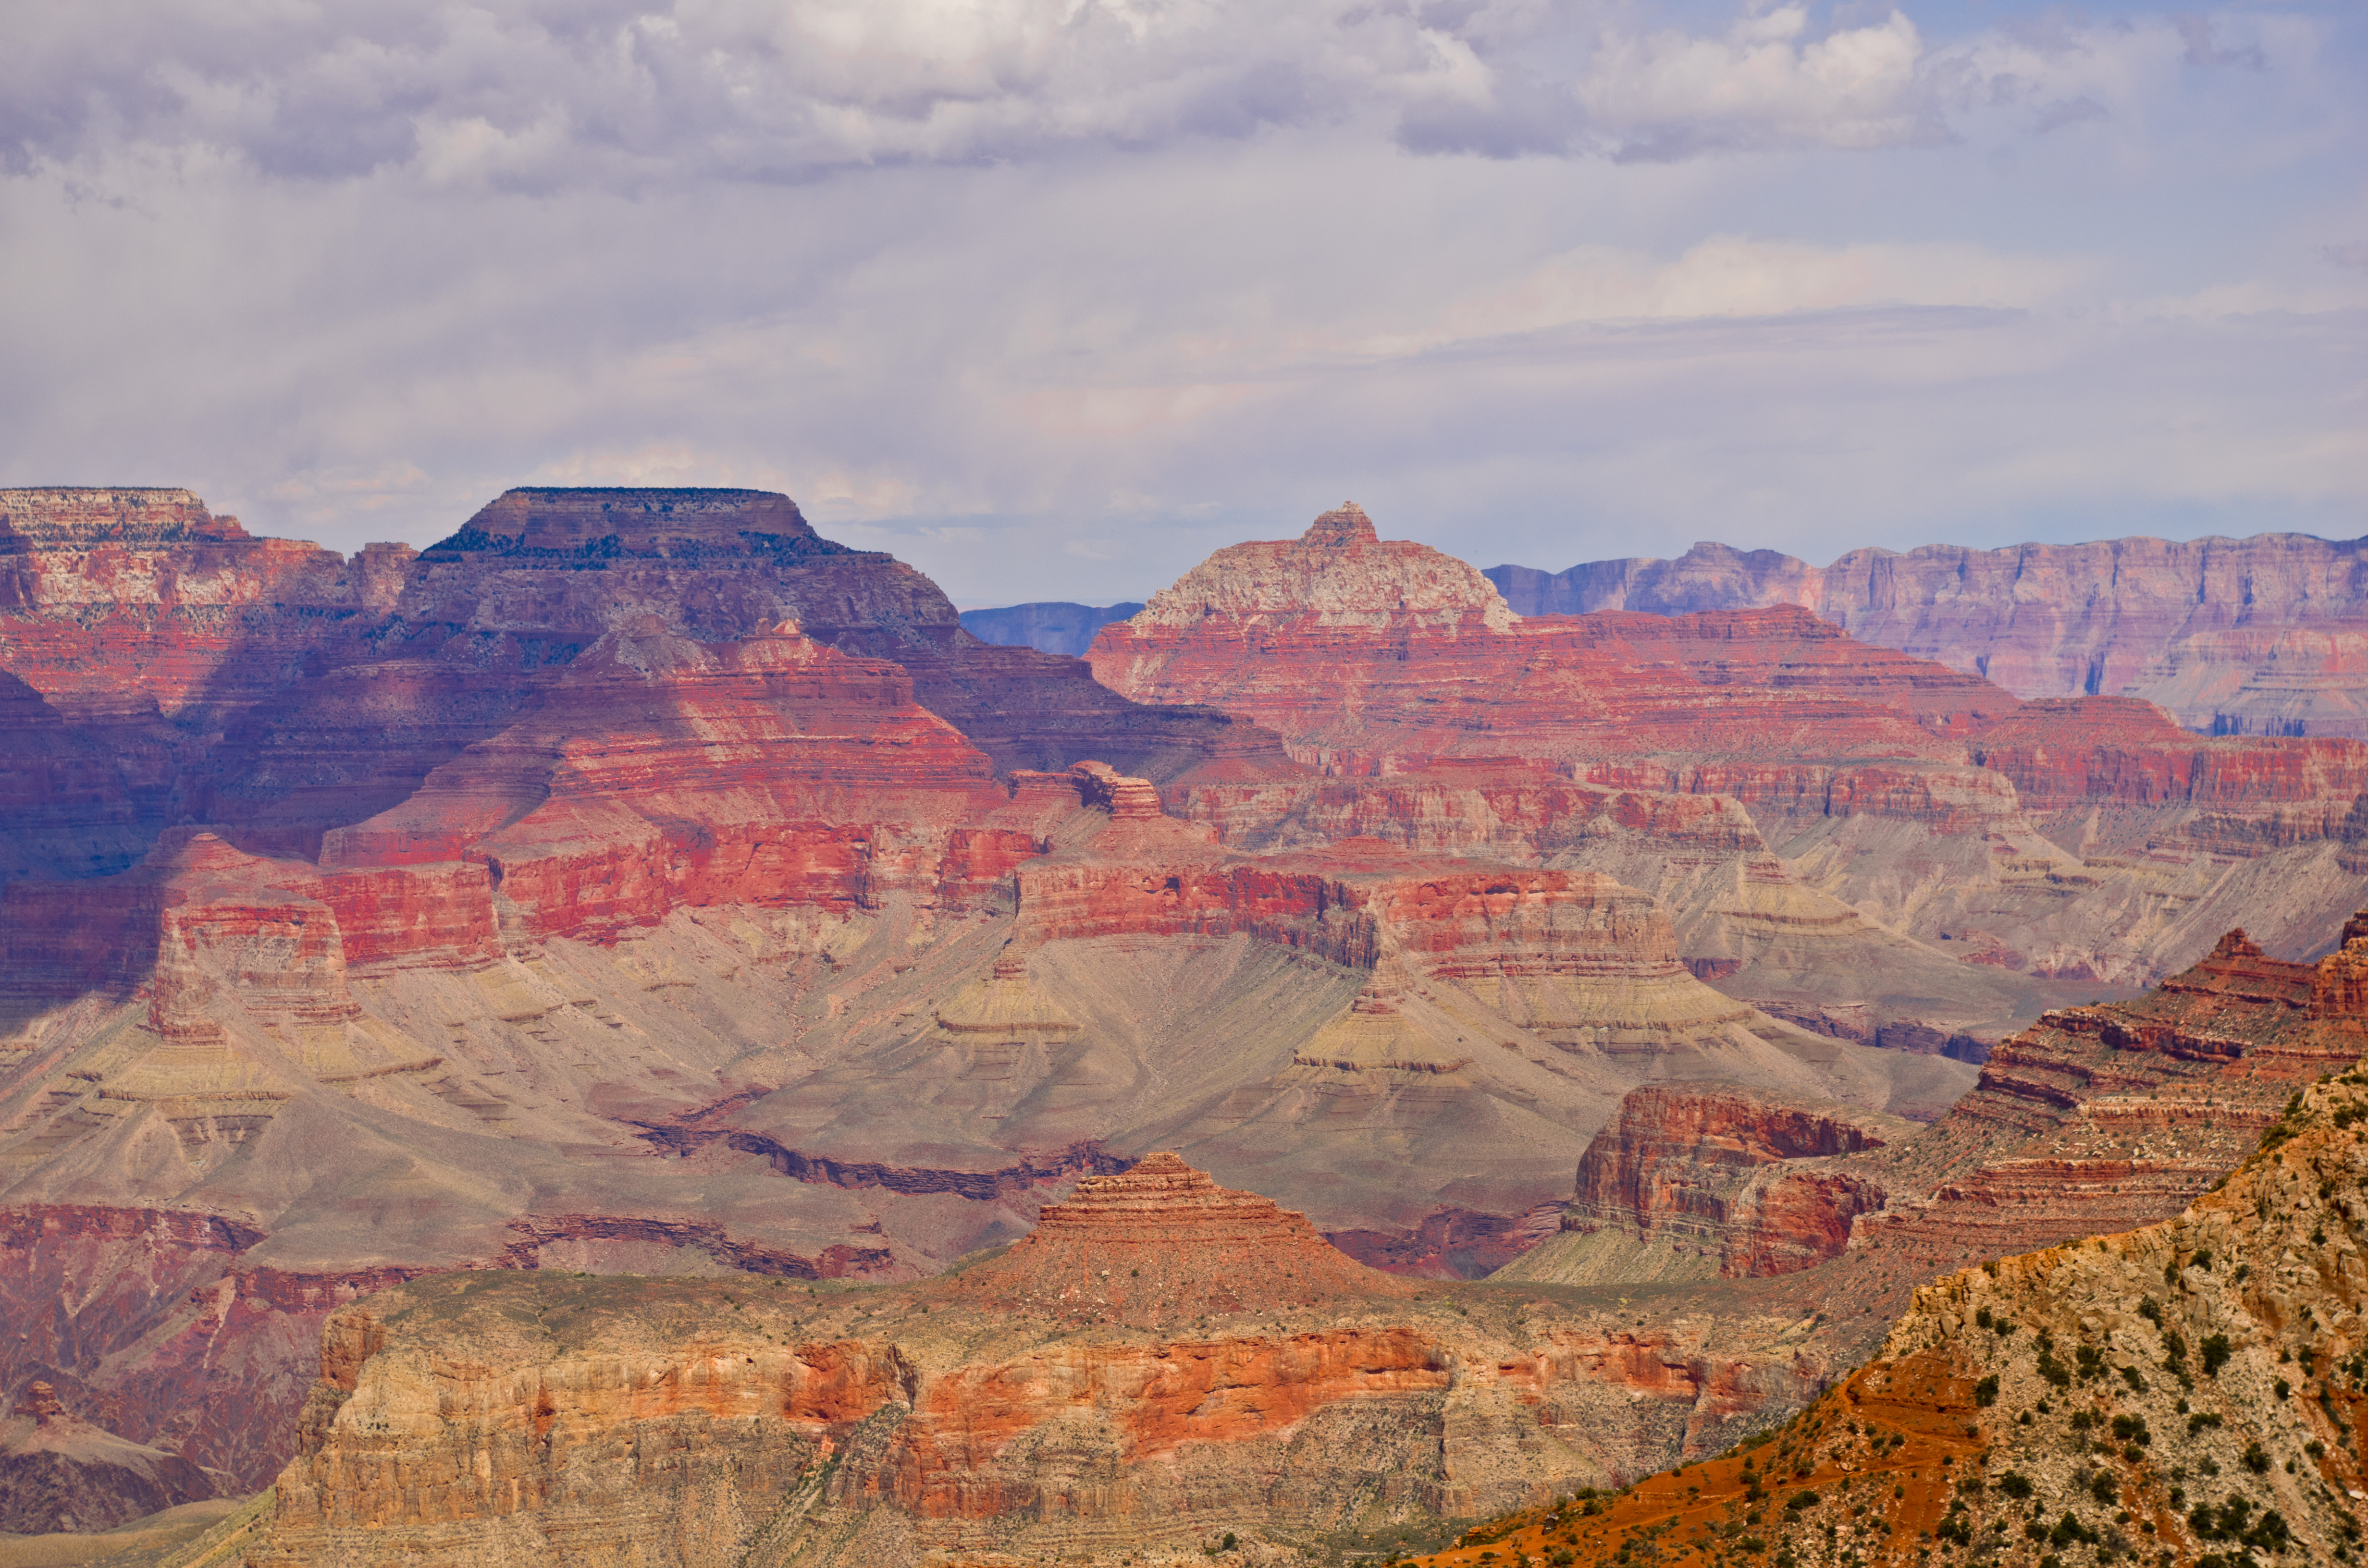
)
(637, 977)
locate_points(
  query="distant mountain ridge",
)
(1052, 626)
(2262, 635)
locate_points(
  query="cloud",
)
(541, 95)
(1052, 299)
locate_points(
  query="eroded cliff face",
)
(2069, 843)
(2096, 1119)
(1286, 1389)
(2196, 1389)
(1709, 1180)
(2245, 636)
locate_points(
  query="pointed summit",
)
(1344, 526)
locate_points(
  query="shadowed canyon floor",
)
(635, 883)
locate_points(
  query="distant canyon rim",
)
(1598, 976)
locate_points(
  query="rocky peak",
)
(1163, 1242)
(39, 1401)
(1340, 573)
(1345, 525)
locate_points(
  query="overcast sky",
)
(1053, 297)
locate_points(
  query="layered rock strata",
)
(964, 1418)
(2246, 636)
(1726, 1181)
(2096, 1119)
(2088, 841)
(2195, 1389)
(1162, 1244)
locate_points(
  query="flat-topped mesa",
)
(1162, 1242)
(52, 517)
(534, 520)
(1339, 573)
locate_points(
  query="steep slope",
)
(2096, 1119)
(59, 1474)
(2247, 636)
(2193, 1389)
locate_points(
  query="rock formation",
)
(61, 1473)
(2096, 1119)
(2079, 842)
(1284, 1391)
(2249, 636)
(2191, 1390)
(1707, 1180)
(635, 882)
(1160, 1244)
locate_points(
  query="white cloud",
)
(537, 96)
(1764, 83)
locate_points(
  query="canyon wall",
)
(2194, 1389)
(2259, 635)
(1202, 1357)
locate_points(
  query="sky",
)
(1051, 298)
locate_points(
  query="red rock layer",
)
(1327, 642)
(1686, 1166)
(659, 771)
(2109, 1116)
(2076, 751)
(1161, 1242)
(1352, 903)
(123, 602)
(2190, 624)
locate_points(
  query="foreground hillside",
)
(2191, 1392)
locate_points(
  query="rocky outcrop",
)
(1161, 1245)
(2097, 1119)
(1372, 657)
(2191, 1390)
(1735, 1182)
(61, 1473)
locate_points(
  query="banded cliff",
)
(1263, 1386)
(2260, 635)
(2195, 1389)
